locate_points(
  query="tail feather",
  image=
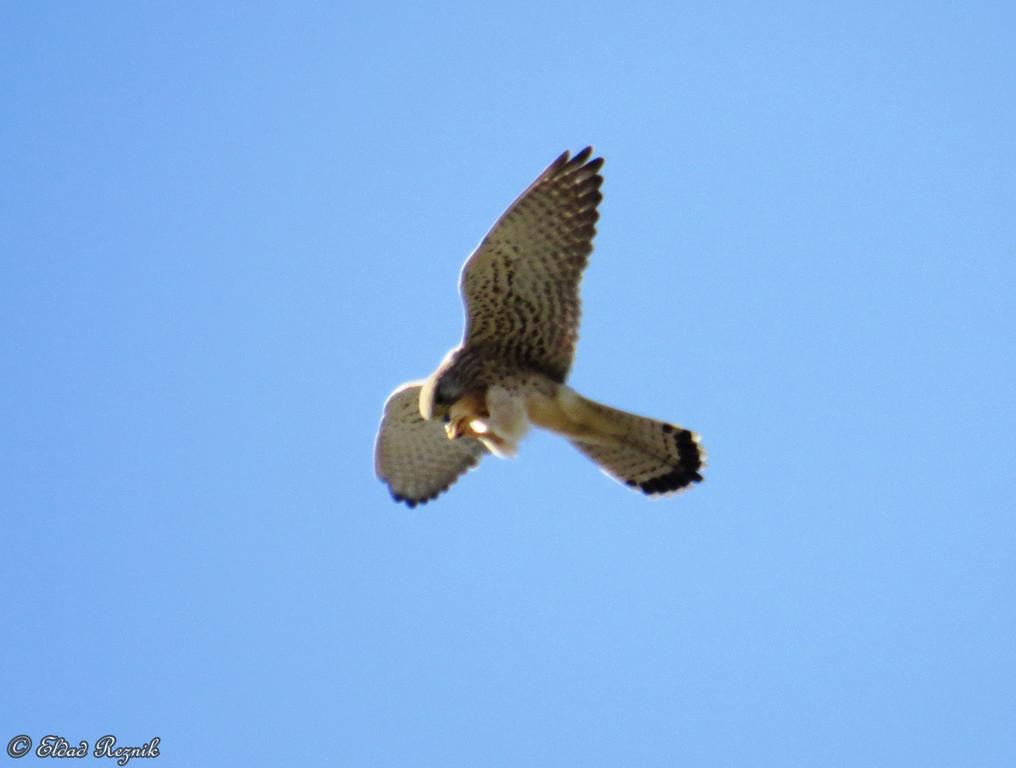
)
(653, 456)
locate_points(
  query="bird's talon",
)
(457, 428)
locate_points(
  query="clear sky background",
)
(228, 231)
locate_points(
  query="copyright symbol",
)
(19, 746)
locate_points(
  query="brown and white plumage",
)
(521, 291)
(521, 285)
(414, 455)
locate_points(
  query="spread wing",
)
(521, 284)
(414, 456)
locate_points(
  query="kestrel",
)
(521, 291)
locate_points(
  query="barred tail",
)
(652, 456)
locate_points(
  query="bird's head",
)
(440, 391)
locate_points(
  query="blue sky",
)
(229, 231)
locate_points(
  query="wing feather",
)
(521, 284)
(414, 457)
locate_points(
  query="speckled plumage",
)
(418, 458)
(521, 291)
(521, 285)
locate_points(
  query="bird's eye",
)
(446, 418)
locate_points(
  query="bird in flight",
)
(521, 291)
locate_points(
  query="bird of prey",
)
(521, 291)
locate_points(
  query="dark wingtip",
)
(560, 161)
(411, 503)
(581, 160)
(566, 163)
(408, 502)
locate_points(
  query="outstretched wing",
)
(414, 456)
(521, 284)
